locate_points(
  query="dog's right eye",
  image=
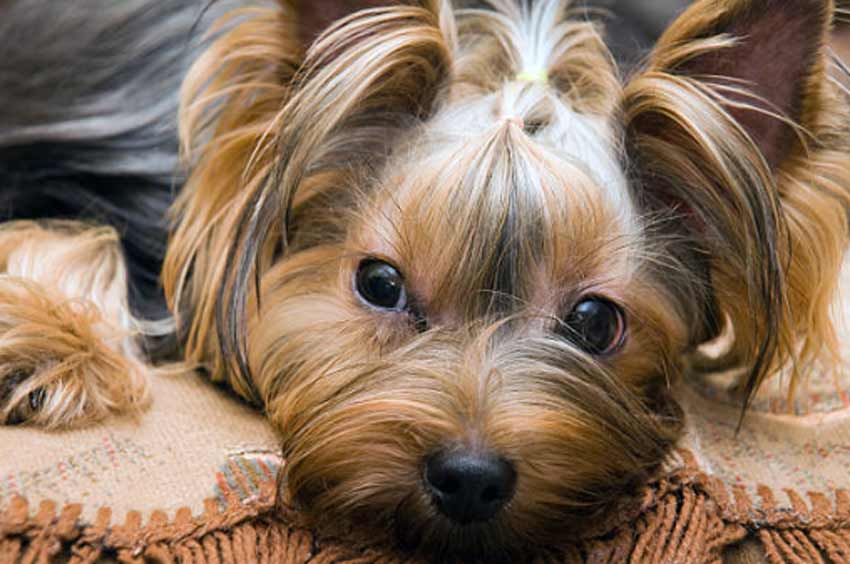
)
(381, 285)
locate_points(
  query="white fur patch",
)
(586, 141)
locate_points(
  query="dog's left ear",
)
(315, 16)
(735, 130)
(276, 131)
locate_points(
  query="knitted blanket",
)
(193, 480)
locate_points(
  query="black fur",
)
(88, 118)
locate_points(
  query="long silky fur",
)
(494, 155)
(88, 132)
(775, 274)
(304, 156)
(70, 350)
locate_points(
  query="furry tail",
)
(69, 349)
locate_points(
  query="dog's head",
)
(460, 262)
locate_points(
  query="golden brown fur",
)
(496, 159)
(774, 274)
(68, 354)
(738, 213)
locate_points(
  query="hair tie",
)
(539, 75)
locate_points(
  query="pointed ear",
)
(275, 138)
(315, 16)
(361, 85)
(738, 137)
(770, 55)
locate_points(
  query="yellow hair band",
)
(539, 75)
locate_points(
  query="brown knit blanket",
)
(687, 516)
(193, 480)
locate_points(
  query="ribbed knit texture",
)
(686, 516)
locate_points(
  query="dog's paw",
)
(68, 352)
(61, 363)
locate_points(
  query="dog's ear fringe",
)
(315, 17)
(229, 103)
(776, 233)
(256, 124)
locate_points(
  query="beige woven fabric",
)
(176, 454)
(779, 451)
(799, 443)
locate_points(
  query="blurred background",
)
(633, 25)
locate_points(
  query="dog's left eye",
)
(381, 285)
(597, 325)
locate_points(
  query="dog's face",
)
(460, 264)
(482, 343)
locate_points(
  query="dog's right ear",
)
(737, 132)
(269, 127)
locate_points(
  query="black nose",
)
(469, 487)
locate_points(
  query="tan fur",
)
(808, 194)
(497, 160)
(480, 152)
(68, 350)
(248, 68)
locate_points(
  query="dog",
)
(457, 259)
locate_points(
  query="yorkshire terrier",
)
(455, 257)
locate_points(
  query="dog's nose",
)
(469, 487)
